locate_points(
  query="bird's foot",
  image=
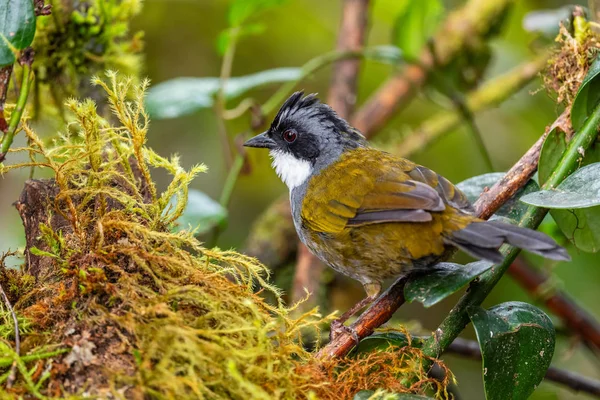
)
(337, 328)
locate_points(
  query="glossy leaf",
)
(369, 395)
(513, 209)
(517, 344)
(587, 96)
(181, 96)
(383, 341)
(580, 226)
(581, 189)
(415, 24)
(17, 27)
(442, 280)
(201, 213)
(547, 21)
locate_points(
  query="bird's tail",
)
(482, 239)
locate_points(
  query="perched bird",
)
(369, 214)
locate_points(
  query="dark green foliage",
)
(17, 27)
(517, 344)
(443, 280)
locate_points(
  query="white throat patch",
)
(292, 171)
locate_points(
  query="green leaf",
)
(415, 24)
(17, 27)
(442, 280)
(181, 96)
(201, 213)
(513, 209)
(547, 22)
(587, 96)
(580, 226)
(581, 189)
(517, 344)
(383, 341)
(371, 395)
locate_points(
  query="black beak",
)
(261, 141)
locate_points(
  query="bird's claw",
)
(337, 328)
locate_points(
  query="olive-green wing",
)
(367, 186)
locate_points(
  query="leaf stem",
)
(458, 318)
(232, 176)
(18, 112)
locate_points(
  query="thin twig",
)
(341, 97)
(575, 318)
(385, 306)
(578, 383)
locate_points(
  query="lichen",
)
(121, 306)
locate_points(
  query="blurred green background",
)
(180, 38)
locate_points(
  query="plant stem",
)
(220, 103)
(458, 318)
(232, 176)
(18, 112)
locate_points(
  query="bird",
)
(369, 214)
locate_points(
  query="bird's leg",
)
(337, 326)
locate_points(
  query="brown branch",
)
(5, 73)
(578, 383)
(574, 317)
(341, 97)
(385, 306)
(464, 27)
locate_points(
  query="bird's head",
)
(305, 137)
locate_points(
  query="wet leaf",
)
(181, 96)
(415, 24)
(368, 395)
(587, 96)
(513, 209)
(581, 189)
(517, 344)
(17, 27)
(201, 213)
(442, 280)
(580, 226)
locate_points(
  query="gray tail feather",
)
(482, 239)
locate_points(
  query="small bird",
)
(369, 214)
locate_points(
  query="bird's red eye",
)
(290, 136)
